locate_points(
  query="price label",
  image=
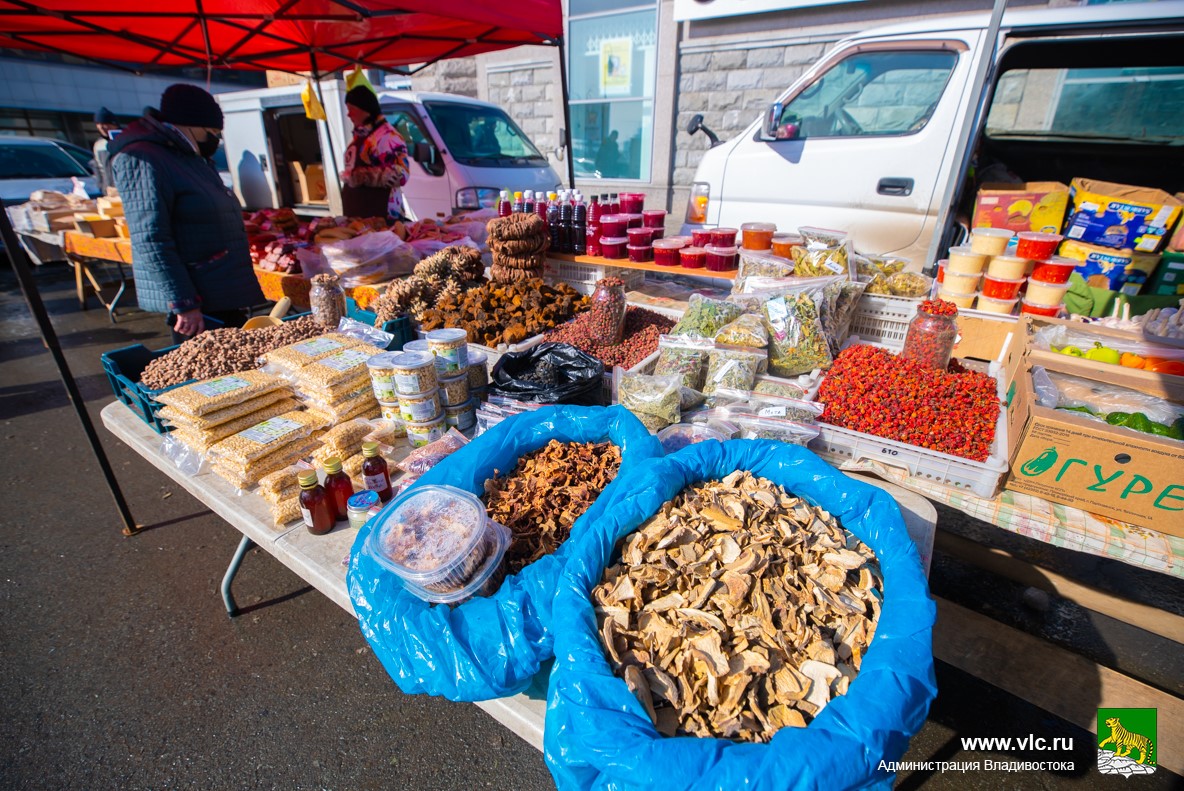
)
(772, 411)
(317, 346)
(223, 384)
(270, 430)
(343, 361)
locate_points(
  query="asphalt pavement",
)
(121, 669)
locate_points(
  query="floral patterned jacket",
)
(377, 157)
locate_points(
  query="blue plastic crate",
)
(400, 327)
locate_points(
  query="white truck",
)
(463, 150)
(888, 135)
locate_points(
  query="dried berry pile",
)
(546, 493)
(496, 313)
(639, 340)
(224, 351)
(873, 391)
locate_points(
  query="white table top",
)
(321, 560)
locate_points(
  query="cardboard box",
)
(1102, 267)
(1176, 245)
(983, 338)
(1168, 279)
(310, 183)
(110, 207)
(1032, 206)
(94, 225)
(52, 220)
(1121, 216)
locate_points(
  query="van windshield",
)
(1120, 105)
(483, 136)
(39, 161)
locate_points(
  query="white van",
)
(464, 150)
(867, 139)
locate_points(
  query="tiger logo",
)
(1124, 741)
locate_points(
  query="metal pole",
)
(20, 264)
(966, 135)
(316, 81)
(571, 161)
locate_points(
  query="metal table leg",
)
(231, 571)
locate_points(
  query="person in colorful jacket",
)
(376, 164)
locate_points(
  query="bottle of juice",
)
(339, 487)
(504, 207)
(375, 474)
(316, 506)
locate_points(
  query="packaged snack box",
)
(1121, 216)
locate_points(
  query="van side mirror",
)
(772, 121)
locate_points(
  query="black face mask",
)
(209, 146)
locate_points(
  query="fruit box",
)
(1033, 206)
(1073, 460)
(1121, 216)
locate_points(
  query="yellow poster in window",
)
(616, 66)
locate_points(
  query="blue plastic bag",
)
(597, 734)
(488, 647)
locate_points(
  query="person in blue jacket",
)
(189, 249)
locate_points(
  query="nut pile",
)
(738, 610)
(505, 312)
(873, 391)
(446, 273)
(223, 351)
(546, 493)
(638, 341)
(519, 245)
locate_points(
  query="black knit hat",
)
(105, 116)
(188, 105)
(364, 99)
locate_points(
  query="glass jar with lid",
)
(327, 299)
(932, 334)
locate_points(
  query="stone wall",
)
(530, 94)
(448, 76)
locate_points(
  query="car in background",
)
(83, 156)
(28, 164)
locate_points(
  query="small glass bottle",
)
(339, 487)
(376, 475)
(528, 201)
(607, 311)
(327, 299)
(932, 334)
(359, 508)
(316, 505)
(614, 203)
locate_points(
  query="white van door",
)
(427, 194)
(861, 144)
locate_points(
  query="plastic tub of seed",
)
(420, 407)
(417, 345)
(440, 542)
(425, 432)
(454, 390)
(415, 372)
(451, 347)
(382, 375)
(463, 416)
(478, 369)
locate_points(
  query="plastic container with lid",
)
(419, 407)
(656, 233)
(960, 283)
(1008, 267)
(757, 235)
(990, 241)
(783, 244)
(632, 202)
(966, 261)
(701, 238)
(653, 218)
(1036, 246)
(680, 435)
(382, 375)
(640, 254)
(451, 347)
(1001, 288)
(632, 220)
(720, 259)
(424, 432)
(1039, 293)
(417, 345)
(1039, 310)
(1054, 270)
(414, 372)
(439, 541)
(666, 251)
(478, 369)
(613, 246)
(991, 305)
(390, 411)
(692, 257)
(454, 389)
(358, 507)
(941, 270)
(612, 225)
(640, 237)
(461, 416)
(723, 237)
(961, 300)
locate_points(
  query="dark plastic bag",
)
(488, 647)
(597, 734)
(580, 376)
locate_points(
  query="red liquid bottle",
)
(504, 207)
(594, 211)
(375, 475)
(614, 205)
(316, 506)
(517, 205)
(543, 205)
(339, 487)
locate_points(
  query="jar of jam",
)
(656, 233)
(339, 488)
(653, 218)
(692, 257)
(631, 202)
(757, 235)
(720, 259)
(701, 238)
(376, 476)
(632, 220)
(640, 254)
(613, 246)
(783, 244)
(612, 225)
(640, 237)
(723, 237)
(932, 334)
(316, 505)
(666, 251)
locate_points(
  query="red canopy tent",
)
(317, 36)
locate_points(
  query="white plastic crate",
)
(983, 478)
(883, 320)
(583, 277)
(646, 366)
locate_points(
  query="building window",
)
(613, 52)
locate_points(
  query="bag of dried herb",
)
(705, 317)
(761, 405)
(827, 253)
(748, 331)
(755, 263)
(797, 344)
(654, 400)
(732, 367)
(685, 356)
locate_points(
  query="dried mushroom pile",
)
(227, 350)
(446, 273)
(546, 493)
(519, 245)
(505, 313)
(738, 610)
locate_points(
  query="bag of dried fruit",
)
(718, 602)
(544, 475)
